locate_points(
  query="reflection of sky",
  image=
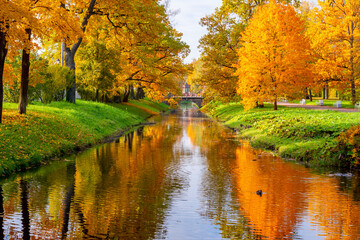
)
(307, 230)
(184, 218)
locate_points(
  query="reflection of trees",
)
(128, 138)
(356, 190)
(1, 213)
(121, 188)
(292, 194)
(66, 213)
(25, 209)
(276, 214)
(335, 212)
(38, 197)
(214, 142)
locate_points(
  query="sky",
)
(187, 21)
(188, 18)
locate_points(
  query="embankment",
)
(59, 128)
(319, 138)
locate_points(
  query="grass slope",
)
(58, 128)
(305, 135)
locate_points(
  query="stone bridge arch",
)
(197, 100)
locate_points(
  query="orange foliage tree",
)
(19, 21)
(146, 55)
(274, 59)
(219, 47)
(335, 34)
(14, 17)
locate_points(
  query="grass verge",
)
(305, 135)
(59, 128)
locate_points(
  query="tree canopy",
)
(274, 57)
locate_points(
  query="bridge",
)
(195, 99)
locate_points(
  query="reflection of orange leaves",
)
(291, 193)
(276, 213)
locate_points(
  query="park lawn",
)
(305, 135)
(59, 128)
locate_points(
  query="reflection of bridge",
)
(195, 99)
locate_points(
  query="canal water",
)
(186, 177)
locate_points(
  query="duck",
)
(259, 192)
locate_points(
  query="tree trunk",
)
(140, 94)
(70, 54)
(352, 67)
(136, 91)
(126, 95)
(132, 93)
(275, 104)
(310, 95)
(97, 95)
(3, 52)
(71, 83)
(25, 69)
(353, 92)
(326, 93)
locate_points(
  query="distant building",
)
(186, 90)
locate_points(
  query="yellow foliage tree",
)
(14, 17)
(274, 59)
(145, 54)
(335, 34)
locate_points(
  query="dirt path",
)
(315, 107)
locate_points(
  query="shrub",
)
(349, 144)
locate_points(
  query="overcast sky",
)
(188, 18)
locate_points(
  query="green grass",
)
(150, 106)
(305, 135)
(58, 128)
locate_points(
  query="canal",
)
(185, 177)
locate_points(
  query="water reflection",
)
(25, 218)
(1, 213)
(186, 177)
(296, 202)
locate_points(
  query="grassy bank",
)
(58, 128)
(322, 138)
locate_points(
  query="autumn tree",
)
(134, 26)
(220, 43)
(145, 53)
(97, 68)
(13, 18)
(218, 53)
(274, 57)
(52, 22)
(335, 40)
